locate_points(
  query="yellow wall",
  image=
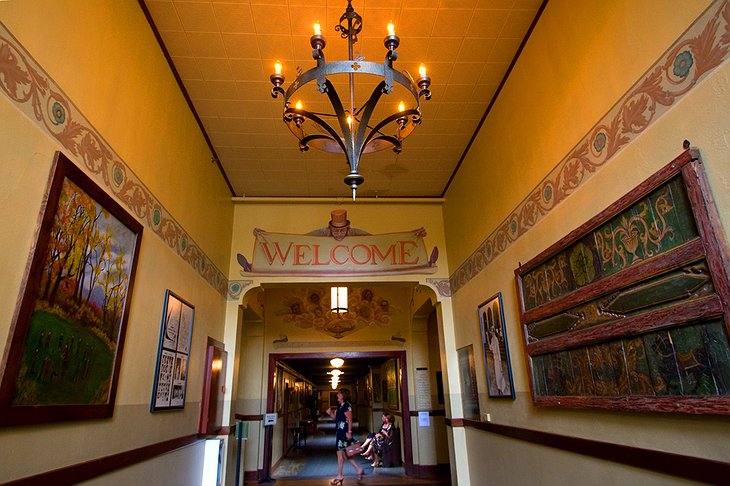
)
(105, 60)
(581, 59)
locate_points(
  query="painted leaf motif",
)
(11, 72)
(633, 113)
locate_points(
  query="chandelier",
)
(351, 131)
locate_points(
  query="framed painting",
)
(391, 377)
(173, 353)
(496, 349)
(377, 387)
(468, 378)
(65, 346)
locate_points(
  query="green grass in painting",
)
(64, 364)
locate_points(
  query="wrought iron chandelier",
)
(353, 134)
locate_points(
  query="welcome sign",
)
(324, 252)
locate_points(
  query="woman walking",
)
(343, 431)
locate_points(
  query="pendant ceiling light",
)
(351, 129)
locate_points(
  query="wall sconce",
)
(338, 300)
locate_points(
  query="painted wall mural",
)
(310, 308)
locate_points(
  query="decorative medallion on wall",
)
(236, 287)
(341, 250)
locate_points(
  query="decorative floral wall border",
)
(35, 94)
(701, 49)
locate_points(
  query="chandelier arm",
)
(348, 140)
(334, 136)
(384, 122)
(369, 108)
(304, 141)
(397, 146)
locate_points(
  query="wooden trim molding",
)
(84, 471)
(250, 418)
(687, 467)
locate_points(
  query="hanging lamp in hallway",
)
(352, 132)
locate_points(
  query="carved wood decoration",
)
(630, 310)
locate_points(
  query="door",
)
(214, 388)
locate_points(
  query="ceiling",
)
(223, 52)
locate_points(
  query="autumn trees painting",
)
(67, 343)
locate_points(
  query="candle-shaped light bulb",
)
(401, 106)
(317, 28)
(391, 28)
(422, 70)
(298, 106)
(277, 67)
(349, 120)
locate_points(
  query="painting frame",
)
(173, 353)
(377, 387)
(468, 379)
(498, 370)
(79, 282)
(391, 377)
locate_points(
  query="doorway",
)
(364, 406)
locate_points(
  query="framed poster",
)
(64, 352)
(171, 372)
(496, 350)
(468, 378)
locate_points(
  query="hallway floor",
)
(316, 465)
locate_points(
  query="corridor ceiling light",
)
(351, 132)
(338, 300)
(336, 373)
(337, 362)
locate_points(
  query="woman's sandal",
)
(337, 481)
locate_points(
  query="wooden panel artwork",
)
(630, 311)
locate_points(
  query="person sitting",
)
(366, 444)
(374, 451)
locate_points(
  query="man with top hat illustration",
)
(338, 227)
